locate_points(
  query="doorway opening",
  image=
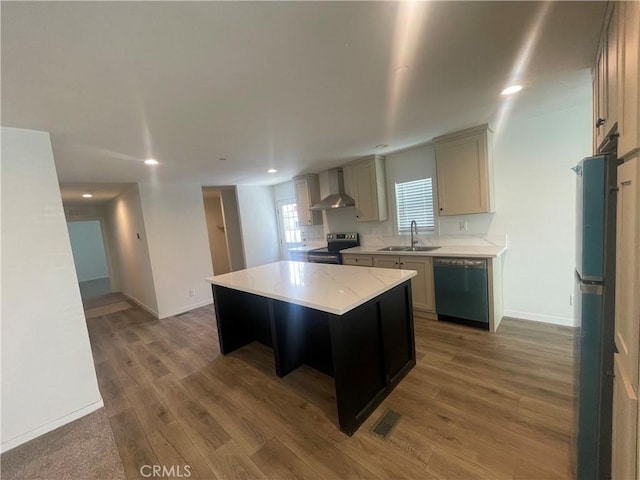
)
(223, 227)
(90, 258)
(291, 234)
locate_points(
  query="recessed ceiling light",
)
(382, 145)
(87, 195)
(272, 170)
(511, 90)
(151, 161)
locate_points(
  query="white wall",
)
(176, 228)
(535, 204)
(412, 164)
(284, 191)
(48, 375)
(256, 205)
(128, 239)
(88, 250)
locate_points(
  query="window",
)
(292, 233)
(414, 201)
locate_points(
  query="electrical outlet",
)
(192, 292)
(464, 226)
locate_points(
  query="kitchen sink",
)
(399, 248)
(420, 249)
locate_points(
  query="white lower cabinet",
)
(421, 285)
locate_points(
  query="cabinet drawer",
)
(359, 260)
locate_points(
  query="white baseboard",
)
(187, 308)
(178, 311)
(142, 305)
(536, 317)
(58, 422)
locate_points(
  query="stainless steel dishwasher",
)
(462, 291)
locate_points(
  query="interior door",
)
(289, 231)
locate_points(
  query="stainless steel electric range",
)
(335, 243)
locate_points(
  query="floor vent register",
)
(384, 426)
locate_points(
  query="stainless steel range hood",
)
(337, 197)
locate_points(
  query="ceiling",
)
(72, 192)
(295, 86)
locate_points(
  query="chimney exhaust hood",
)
(337, 198)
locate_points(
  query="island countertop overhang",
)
(333, 289)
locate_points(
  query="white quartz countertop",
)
(306, 248)
(468, 251)
(329, 288)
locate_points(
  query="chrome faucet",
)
(414, 228)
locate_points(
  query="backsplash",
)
(440, 240)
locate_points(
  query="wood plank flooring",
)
(477, 405)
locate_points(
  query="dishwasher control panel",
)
(460, 262)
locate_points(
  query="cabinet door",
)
(369, 189)
(422, 284)
(611, 113)
(364, 182)
(628, 269)
(306, 196)
(608, 75)
(597, 103)
(463, 175)
(385, 261)
(625, 421)
(629, 78)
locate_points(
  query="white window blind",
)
(414, 201)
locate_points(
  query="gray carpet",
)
(81, 450)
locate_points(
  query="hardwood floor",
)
(477, 405)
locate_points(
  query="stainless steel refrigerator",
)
(594, 311)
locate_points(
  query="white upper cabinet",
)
(616, 80)
(628, 91)
(605, 79)
(464, 171)
(369, 190)
(307, 188)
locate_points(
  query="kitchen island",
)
(353, 323)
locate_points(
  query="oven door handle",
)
(322, 258)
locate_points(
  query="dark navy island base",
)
(367, 350)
